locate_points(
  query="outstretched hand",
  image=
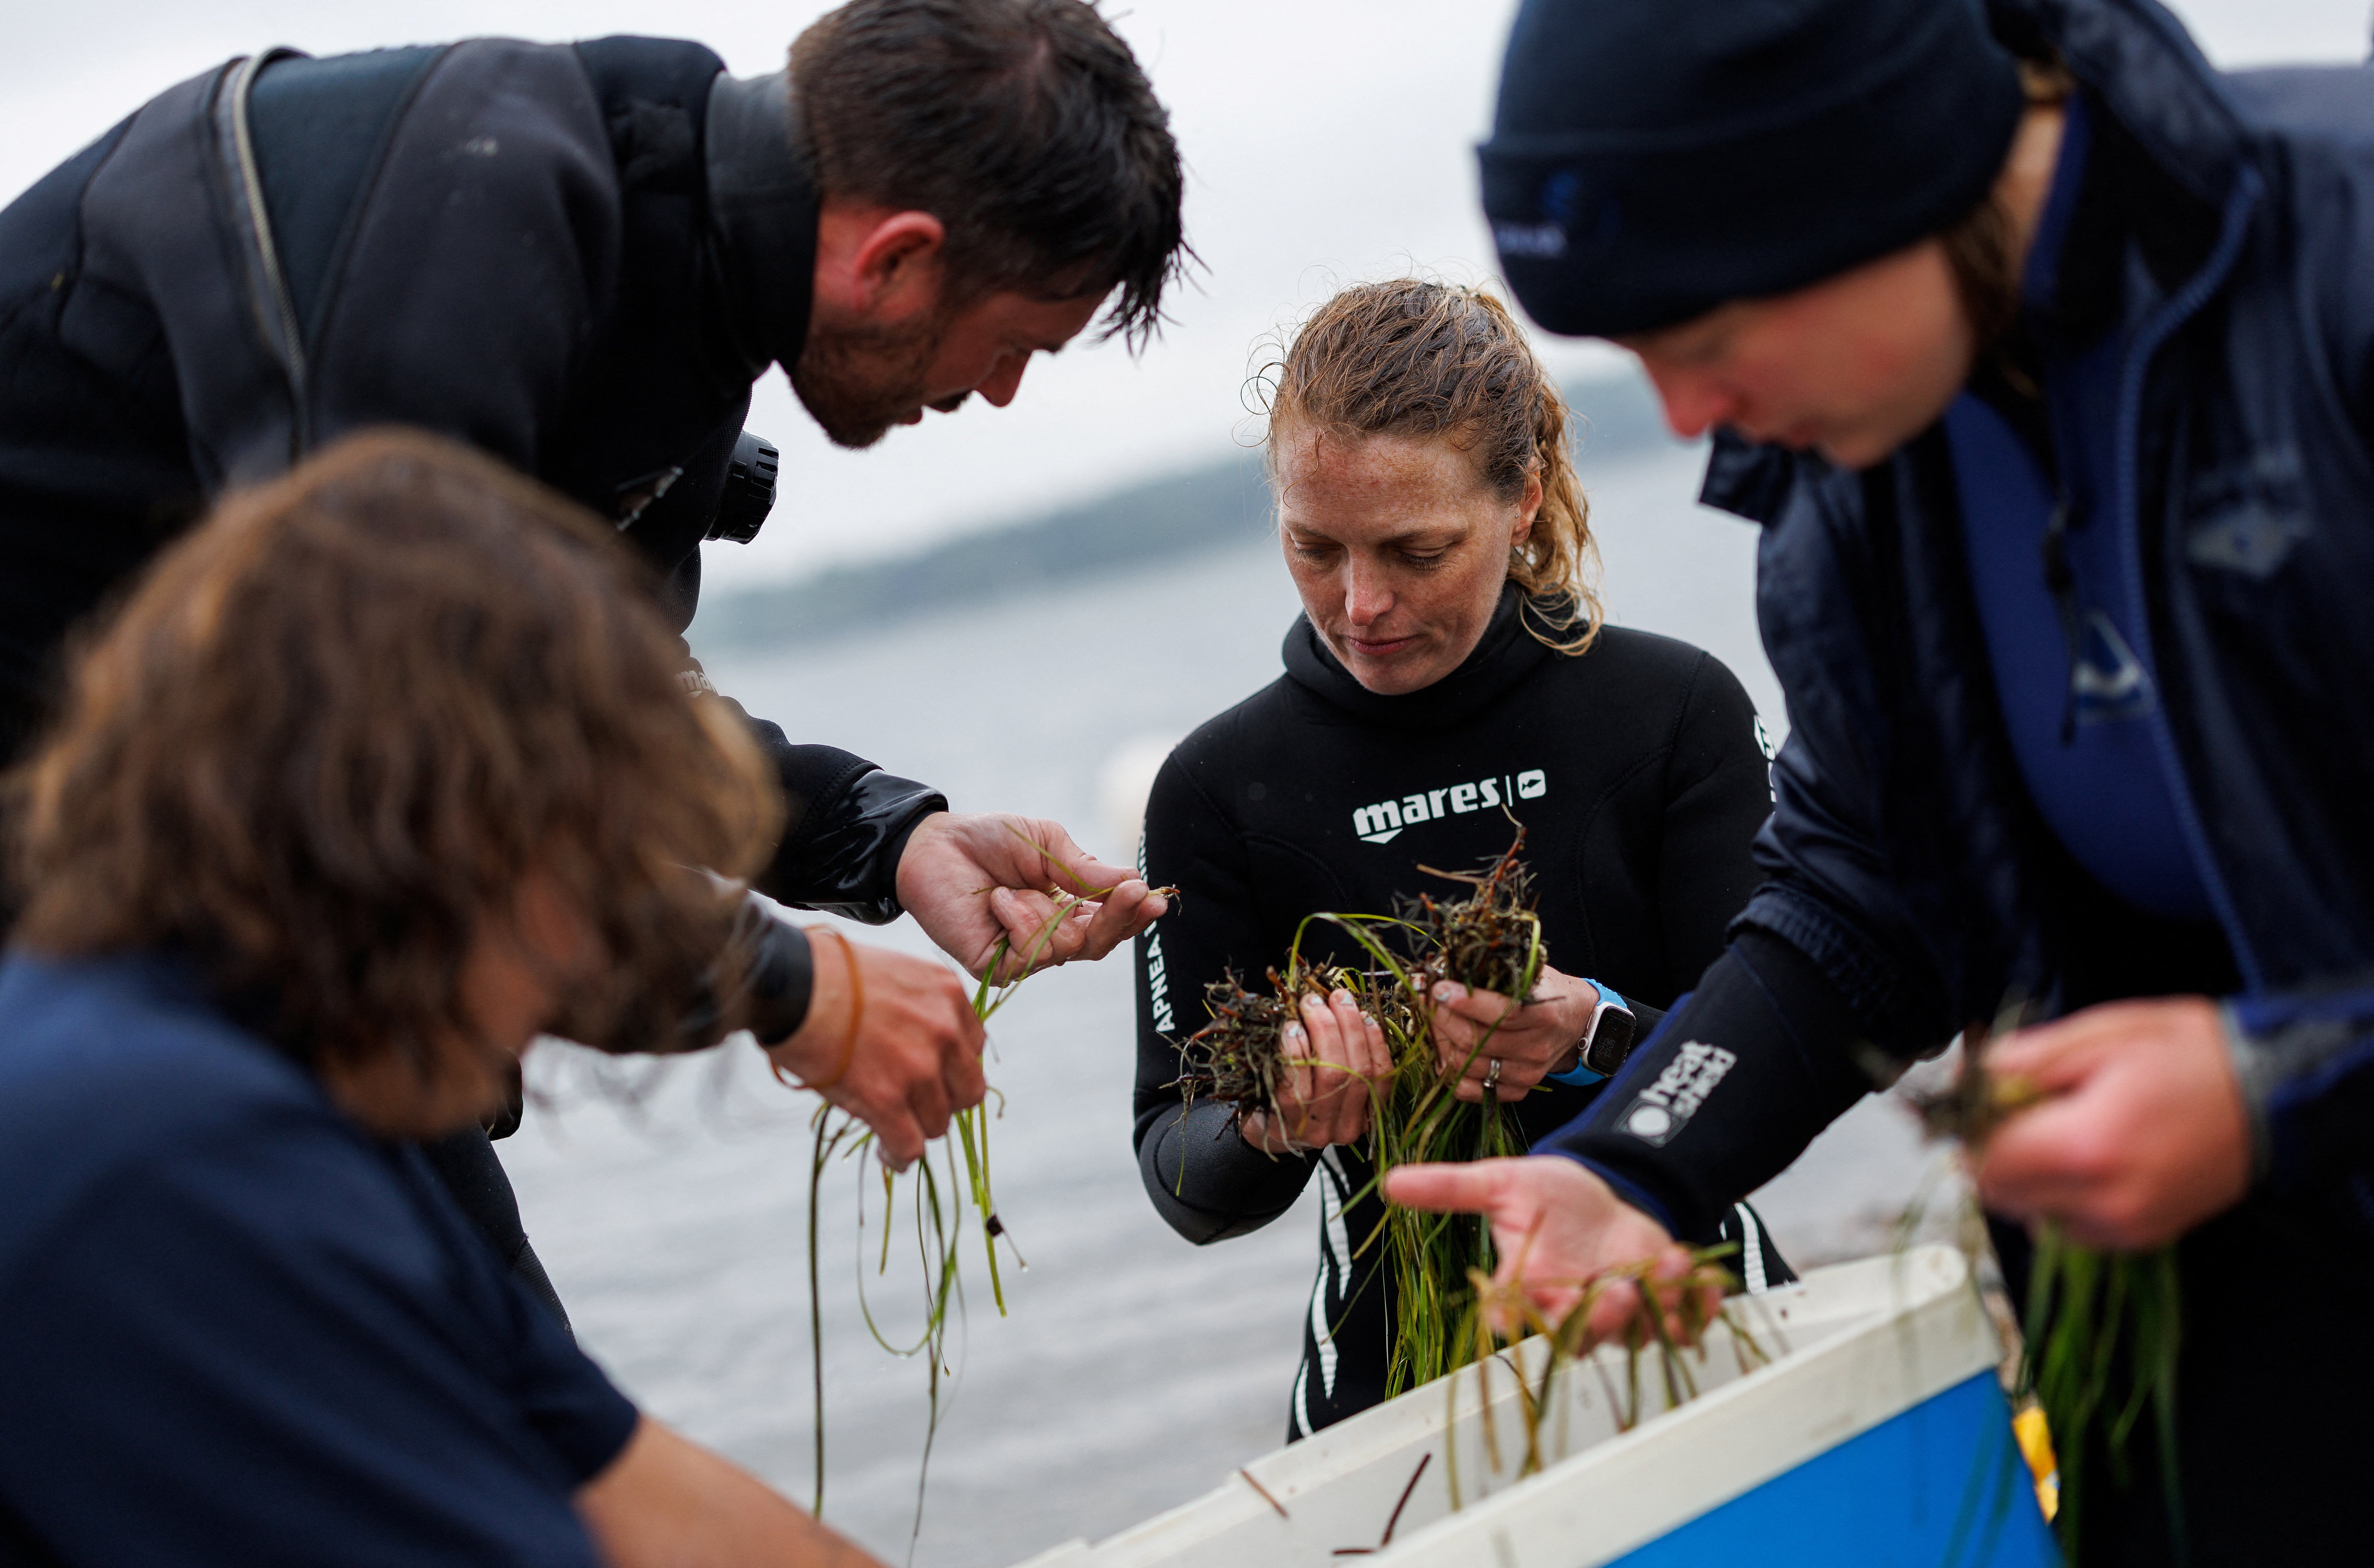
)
(974, 879)
(1557, 1228)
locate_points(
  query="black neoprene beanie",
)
(1651, 160)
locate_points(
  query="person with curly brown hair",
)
(382, 772)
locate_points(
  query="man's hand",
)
(1556, 1226)
(665, 1503)
(1340, 1068)
(969, 880)
(916, 1057)
(1473, 1029)
(2145, 1135)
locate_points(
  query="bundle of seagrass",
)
(2099, 1331)
(1487, 940)
(934, 1180)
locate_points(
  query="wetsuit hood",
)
(1505, 655)
(762, 206)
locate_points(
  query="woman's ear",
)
(1529, 506)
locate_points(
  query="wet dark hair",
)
(1025, 126)
(336, 729)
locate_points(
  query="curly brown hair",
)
(336, 729)
(1417, 358)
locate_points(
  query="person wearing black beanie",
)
(2043, 353)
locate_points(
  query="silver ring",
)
(1492, 1075)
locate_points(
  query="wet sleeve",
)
(482, 260)
(1831, 894)
(846, 823)
(1719, 793)
(1204, 1178)
(297, 1370)
(1741, 1074)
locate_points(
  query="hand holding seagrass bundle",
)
(1422, 1101)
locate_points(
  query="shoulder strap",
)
(281, 429)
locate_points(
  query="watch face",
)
(1611, 1041)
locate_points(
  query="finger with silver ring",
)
(1492, 1075)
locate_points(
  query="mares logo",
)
(1382, 823)
(1660, 1111)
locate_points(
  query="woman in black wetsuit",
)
(1450, 662)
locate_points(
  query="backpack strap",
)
(274, 433)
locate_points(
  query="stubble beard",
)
(857, 382)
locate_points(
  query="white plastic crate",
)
(1877, 1435)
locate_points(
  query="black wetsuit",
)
(1638, 770)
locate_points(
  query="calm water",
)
(670, 1200)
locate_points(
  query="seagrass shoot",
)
(946, 1181)
(2100, 1330)
(1664, 1343)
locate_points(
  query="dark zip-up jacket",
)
(576, 257)
(1912, 884)
(1903, 858)
(1638, 770)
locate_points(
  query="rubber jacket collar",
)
(1504, 655)
(762, 208)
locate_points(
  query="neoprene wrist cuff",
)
(1726, 1092)
(782, 983)
(2254, 1074)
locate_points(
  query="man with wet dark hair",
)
(580, 258)
(999, 122)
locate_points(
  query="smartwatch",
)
(1607, 1042)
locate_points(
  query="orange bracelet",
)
(857, 1009)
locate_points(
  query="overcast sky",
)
(1326, 140)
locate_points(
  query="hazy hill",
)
(1185, 513)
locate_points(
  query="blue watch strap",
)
(1579, 1076)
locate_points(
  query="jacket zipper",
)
(2156, 331)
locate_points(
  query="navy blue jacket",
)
(239, 1328)
(576, 257)
(1903, 858)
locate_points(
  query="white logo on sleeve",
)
(1383, 822)
(1660, 1111)
(1158, 983)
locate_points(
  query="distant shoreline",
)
(1187, 513)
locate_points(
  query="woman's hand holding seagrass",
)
(1337, 1061)
(1475, 1029)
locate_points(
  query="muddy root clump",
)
(1486, 941)
(1239, 1057)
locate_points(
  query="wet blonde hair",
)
(1420, 359)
